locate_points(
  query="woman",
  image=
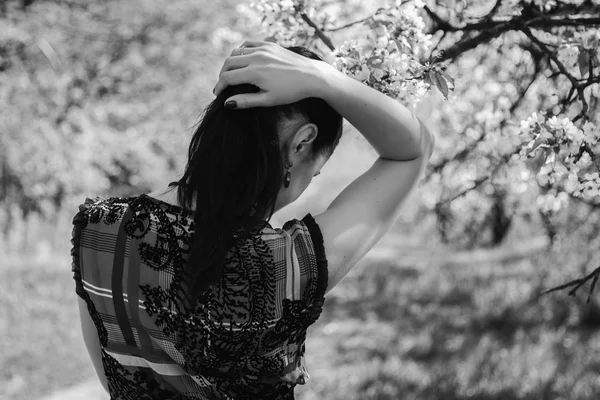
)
(192, 294)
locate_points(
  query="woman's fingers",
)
(235, 77)
(233, 63)
(255, 43)
(247, 100)
(250, 46)
(237, 52)
(235, 71)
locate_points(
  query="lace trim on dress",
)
(322, 265)
(79, 222)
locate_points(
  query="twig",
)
(435, 168)
(440, 23)
(339, 28)
(434, 48)
(503, 160)
(550, 54)
(577, 284)
(534, 77)
(476, 183)
(324, 38)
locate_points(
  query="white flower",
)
(584, 160)
(554, 123)
(362, 74)
(568, 55)
(573, 177)
(591, 134)
(286, 5)
(573, 133)
(378, 73)
(380, 31)
(381, 43)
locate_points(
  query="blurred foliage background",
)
(99, 98)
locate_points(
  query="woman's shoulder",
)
(110, 210)
(100, 209)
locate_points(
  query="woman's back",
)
(244, 339)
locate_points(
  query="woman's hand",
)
(283, 76)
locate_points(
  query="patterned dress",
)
(245, 337)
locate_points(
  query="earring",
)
(288, 177)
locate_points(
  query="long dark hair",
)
(235, 171)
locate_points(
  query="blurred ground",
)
(390, 328)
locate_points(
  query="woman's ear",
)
(305, 135)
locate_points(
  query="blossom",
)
(568, 54)
(362, 74)
(591, 134)
(280, 22)
(552, 201)
(584, 161)
(388, 58)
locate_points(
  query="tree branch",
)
(539, 22)
(549, 53)
(435, 168)
(502, 161)
(470, 43)
(348, 25)
(476, 183)
(489, 28)
(440, 23)
(578, 283)
(324, 38)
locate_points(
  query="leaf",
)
(584, 62)
(376, 63)
(376, 23)
(441, 84)
(551, 158)
(372, 23)
(431, 76)
(448, 78)
(427, 80)
(354, 54)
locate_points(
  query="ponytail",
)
(234, 173)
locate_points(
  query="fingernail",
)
(230, 104)
(213, 90)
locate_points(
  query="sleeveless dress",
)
(244, 340)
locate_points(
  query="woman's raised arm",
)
(368, 207)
